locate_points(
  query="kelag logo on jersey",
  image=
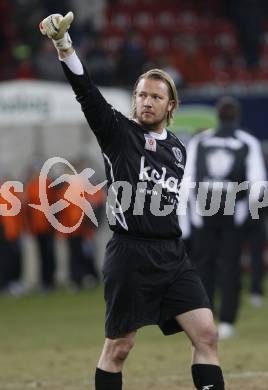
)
(147, 173)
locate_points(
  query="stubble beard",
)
(153, 125)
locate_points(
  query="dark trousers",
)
(82, 262)
(10, 261)
(15, 269)
(45, 243)
(255, 237)
(216, 253)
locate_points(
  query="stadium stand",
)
(205, 41)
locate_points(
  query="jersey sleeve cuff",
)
(74, 64)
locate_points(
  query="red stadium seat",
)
(243, 75)
(165, 20)
(121, 20)
(158, 45)
(260, 74)
(143, 21)
(226, 42)
(220, 77)
(112, 42)
(262, 71)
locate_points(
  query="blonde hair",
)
(157, 74)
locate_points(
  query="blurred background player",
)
(217, 157)
(11, 261)
(254, 247)
(83, 272)
(40, 229)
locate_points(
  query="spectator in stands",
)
(100, 63)
(85, 12)
(191, 61)
(4, 261)
(62, 6)
(168, 64)
(47, 67)
(255, 237)
(11, 228)
(85, 35)
(82, 259)
(25, 70)
(41, 230)
(8, 34)
(131, 59)
(30, 11)
(249, 16)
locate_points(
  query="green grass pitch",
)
(53, 342)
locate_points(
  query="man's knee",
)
(207, 337)
(119, 349)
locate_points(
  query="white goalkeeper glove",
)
(56, 27)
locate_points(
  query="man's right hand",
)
(55, 27)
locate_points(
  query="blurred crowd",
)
(196, 41)
(82, 265)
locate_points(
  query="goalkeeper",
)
(148, 278)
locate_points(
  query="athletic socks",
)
(108, 380)
(207, 377)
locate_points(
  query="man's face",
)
(152, 104)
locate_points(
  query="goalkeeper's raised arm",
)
(56, 28)
(101, 117)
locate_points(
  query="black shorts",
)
(146, 282)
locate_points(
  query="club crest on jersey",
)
(150, 143)
(179, 157)
(177, 153)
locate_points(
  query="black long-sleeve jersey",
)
(152, 168)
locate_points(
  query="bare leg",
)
(201, 330)
(115, 352)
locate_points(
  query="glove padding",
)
(55, 27)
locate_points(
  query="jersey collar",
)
(159, 136)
